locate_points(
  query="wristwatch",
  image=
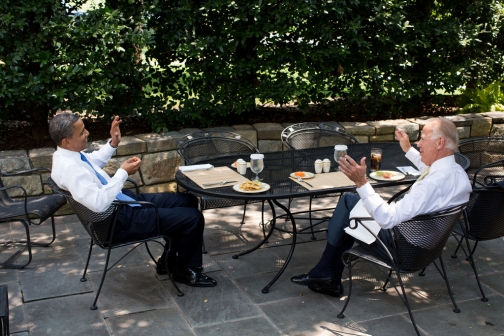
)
(110, 143)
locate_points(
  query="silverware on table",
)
(215, 183)
(301, 180)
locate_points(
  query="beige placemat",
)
(217, 174)
(326, 181)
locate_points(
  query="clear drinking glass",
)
(376, 157)
(339, 151)
(256, 164)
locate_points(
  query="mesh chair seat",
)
(416, 243)
(100, 227)
(28, 211)
(313, 135)
(40, 208)
(201, 147)
(482, 151)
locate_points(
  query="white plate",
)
(233, 165)
(308, 175)
(396, 177)
(266, 186)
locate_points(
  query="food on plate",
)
(379, 173)
(385, 174)
(388, 174)
(251, 185)
(300, 174)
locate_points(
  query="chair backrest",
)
(314, 135)
(420, 240)
(488, 174)
(199, 147)
(97, 224)
(483, 150)
(485, 213)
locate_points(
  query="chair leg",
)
(105, 270)
(179, 293)
(470, 258)
(84, 279)
(384, 287)
(7, 263)
(244, 211)
(422, 272)
(311, 223)
(445, 276)
(454, 255)
(406, 302)
(341, 315)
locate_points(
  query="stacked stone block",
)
(160, 160)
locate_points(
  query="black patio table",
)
(279, 165)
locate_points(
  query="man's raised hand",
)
(354, 171)
(403, 139)
(115, 132)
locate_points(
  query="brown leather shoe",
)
(192, 276)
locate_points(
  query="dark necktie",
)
(120, 196)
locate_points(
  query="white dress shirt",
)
(445, 185)
(72, 174)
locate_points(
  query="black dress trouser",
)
(179, 218)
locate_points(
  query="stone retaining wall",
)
(160, 160)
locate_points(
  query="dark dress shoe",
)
(305, 280)
(334, 290)
(192, 276)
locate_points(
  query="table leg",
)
(293, 246)
(265, 239)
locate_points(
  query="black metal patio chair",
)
(200, 147)
(484, 216)
(100, 227)
(481, 151)
(416, 243)
(313, 135)
(28, 211)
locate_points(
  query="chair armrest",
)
(137, 191)
(359, 220)
(150, 204)
(25, 196)
(28, 171)
(399, 194)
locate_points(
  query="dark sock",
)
(325, 266)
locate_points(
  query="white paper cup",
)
(242, 167)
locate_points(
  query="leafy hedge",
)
(217, 57)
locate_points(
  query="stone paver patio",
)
(47, 297)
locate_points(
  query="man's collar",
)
(443, 163)
(68, 152)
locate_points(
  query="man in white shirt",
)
(82, 175)
(444, 184)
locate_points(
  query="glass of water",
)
(339, 151)
(256, 164)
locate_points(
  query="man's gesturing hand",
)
(403, 139)
(354, 171)
(131, 165)
(115, 131)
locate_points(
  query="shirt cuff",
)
(412, 154)
(121, 174)
(365, 191)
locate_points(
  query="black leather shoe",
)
(334, 290)
(305, 280)
(192, 276)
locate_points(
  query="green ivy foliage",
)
(310, 50)
(212, 58)
(56, 57)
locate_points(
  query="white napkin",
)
(409, 170)
(195, 167)
(361, 232)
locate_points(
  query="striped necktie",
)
(120, 196)
(421, 177)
